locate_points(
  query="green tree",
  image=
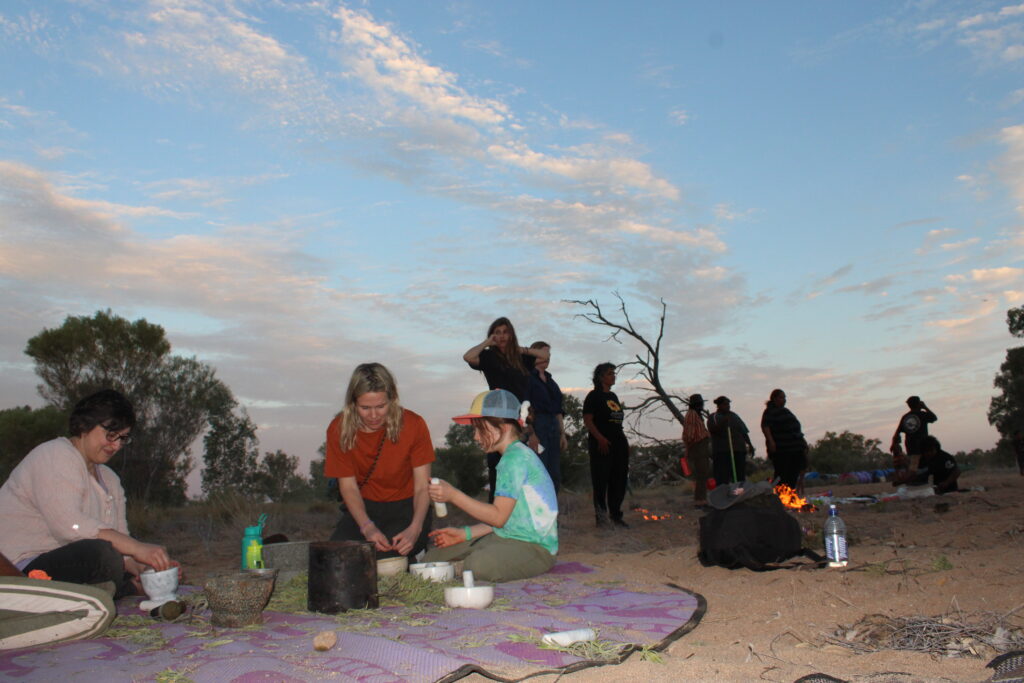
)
(847, 452)
(461, 462)
(22, 429)
(318, 480)
(575, 464)
(173, 396)
(1006, 410)
(231, 454)
(279, 478)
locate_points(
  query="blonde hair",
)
(368, 378)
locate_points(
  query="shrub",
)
(463, 466)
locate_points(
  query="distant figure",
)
(698, 448)
(730, 443)
(505, 365)
(936, 464)
(517, 534)
(548, 415)
(784, 439)
(1018, 448)
(609, 449)
(381, 454)
(914, 427)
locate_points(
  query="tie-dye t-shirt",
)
(534, 519)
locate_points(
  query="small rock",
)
(324, 641)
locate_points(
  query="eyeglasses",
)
(114, 437)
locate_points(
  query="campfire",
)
(789, 498)
(654, 517)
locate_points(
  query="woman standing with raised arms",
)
(506, 365)
(381, 454)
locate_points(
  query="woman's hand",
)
(377, 538)
(441, 492)
(151, 554)
(447, 536)
(404, 540)
(603, 445)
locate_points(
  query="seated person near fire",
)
(934, 463)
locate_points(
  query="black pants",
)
(89, 561)
(788, 466)
(721, 465)
(391, 517)
(609, 473)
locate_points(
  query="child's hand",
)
(441, 492)
(447, 536)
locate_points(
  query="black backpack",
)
(756, 533)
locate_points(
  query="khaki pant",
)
(496, 559)
(35, 612)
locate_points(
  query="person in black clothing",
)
(505, 365)
(609, 449)
(548, 417)
(936, 464)
(730, 442)
(914, 426)
(784, 439)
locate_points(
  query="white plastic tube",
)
(567, 638)
(440, 509)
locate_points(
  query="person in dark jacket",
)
(784, 440)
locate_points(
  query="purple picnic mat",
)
(389, 644)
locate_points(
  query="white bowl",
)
(476, 597)
(391, 566)
(434, 571)
(160, 585)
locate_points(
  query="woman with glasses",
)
(63, 509)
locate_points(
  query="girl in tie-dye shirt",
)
(517, 536)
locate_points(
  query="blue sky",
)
(828, 196)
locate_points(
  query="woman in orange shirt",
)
(381, 455)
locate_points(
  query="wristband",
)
(469, 533)
(365, 525)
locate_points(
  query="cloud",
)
(384, 61)
(1005, 274)
(615, 174)
(680, 117)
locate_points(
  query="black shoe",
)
(619, 521)
(602, 521)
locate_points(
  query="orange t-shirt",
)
(392, 478)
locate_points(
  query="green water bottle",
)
(252, 545)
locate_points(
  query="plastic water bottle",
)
(835, 539)
(440, 509)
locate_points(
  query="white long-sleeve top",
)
(50, 500)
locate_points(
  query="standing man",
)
(914, 427)
(730, 443)
(698, 449)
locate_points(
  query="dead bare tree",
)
(657, 459)
(648, 364)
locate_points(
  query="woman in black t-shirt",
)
(609, 450)
(506, 365)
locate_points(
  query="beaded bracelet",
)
(469, 533)
(366, 525)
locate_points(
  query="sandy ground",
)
(770, 626)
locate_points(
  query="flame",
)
(649, 516)
(789, 498)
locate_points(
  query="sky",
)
(828, 197)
